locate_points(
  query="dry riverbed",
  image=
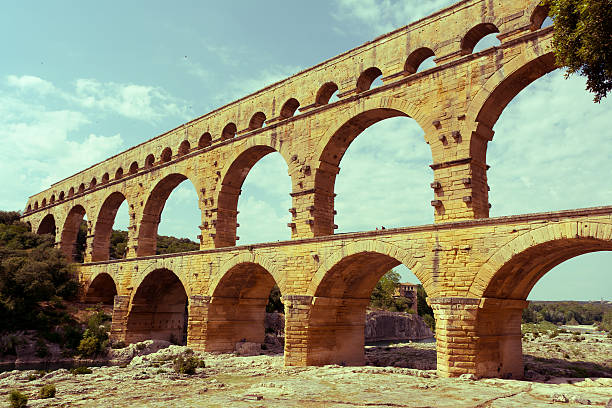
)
(399, 375)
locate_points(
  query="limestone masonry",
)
(476, 270)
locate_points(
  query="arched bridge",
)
(477, 270)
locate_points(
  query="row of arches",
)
(417, 60)
(338, 297)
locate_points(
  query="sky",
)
(82, 81)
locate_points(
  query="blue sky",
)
(81, 81)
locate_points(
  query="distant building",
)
(409, 291)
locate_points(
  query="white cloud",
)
(382, 16)
(40, 149)
(129, 100)
(29, 82)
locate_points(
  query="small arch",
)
(47, 225)
(105, 178)
(166, 155)
(229, 131)
(184, 148)
(539, 15)
(101, 290)
(119, 173)
(205, 140)
(43, 203)
(36, 205)
(52, 200)
(289, 108)
(81, 188)
(134, 167)
(61, 195)
(71, 192)
(476, 34)
(367, 77)
(325, 93)
(92, 183)
(29, 207)
(416, 58)
(257, 121)
(149, 161)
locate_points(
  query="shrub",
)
(89, 346)
(81, 370)
(187, 365)
(18, 399)
(41, 348)
(47, 391)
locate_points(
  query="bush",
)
(81, 370)
(89, 346)
(187, 365)
(18, 399)
(47, 391)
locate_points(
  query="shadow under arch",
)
(158, 309)
(341, 294)
(232, 180)
(104, 226)
(47, 225)
(102, 289)
(504, 282)
(68, 242)
(238, 306)
(151, 217)
(333, 145)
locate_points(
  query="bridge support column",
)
(500, 351)
(456, 340)
(479, 336)
(89, 248)
(297, 316)
(121, 307)
(197, 322)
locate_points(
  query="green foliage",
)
(95, 338)
(172, 245)
(274, 301)
(165, 245)
(566, 312)
(47, 391)
(18, 399)
(606, 321)
(537, 328)
(382, 296)
(583, 41)
(187, 365)
(81, 370)
(31, 272)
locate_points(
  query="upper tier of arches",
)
(312, 89)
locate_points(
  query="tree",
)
(583, 41)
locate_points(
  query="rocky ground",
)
(398, 375)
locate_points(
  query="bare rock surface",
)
(229, 380)
(382, 325)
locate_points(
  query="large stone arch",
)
(238, 299)
(100, 288)
(502, 284)
(498, 91)
(341, 292)
(158, 308)
(104, 225)
(346, 127)
(248, 258)
(155, 201)
(47, 225)
(529, 256)
(237, 168)
(70, 229)
(373, 246)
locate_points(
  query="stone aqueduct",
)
(477, 270)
